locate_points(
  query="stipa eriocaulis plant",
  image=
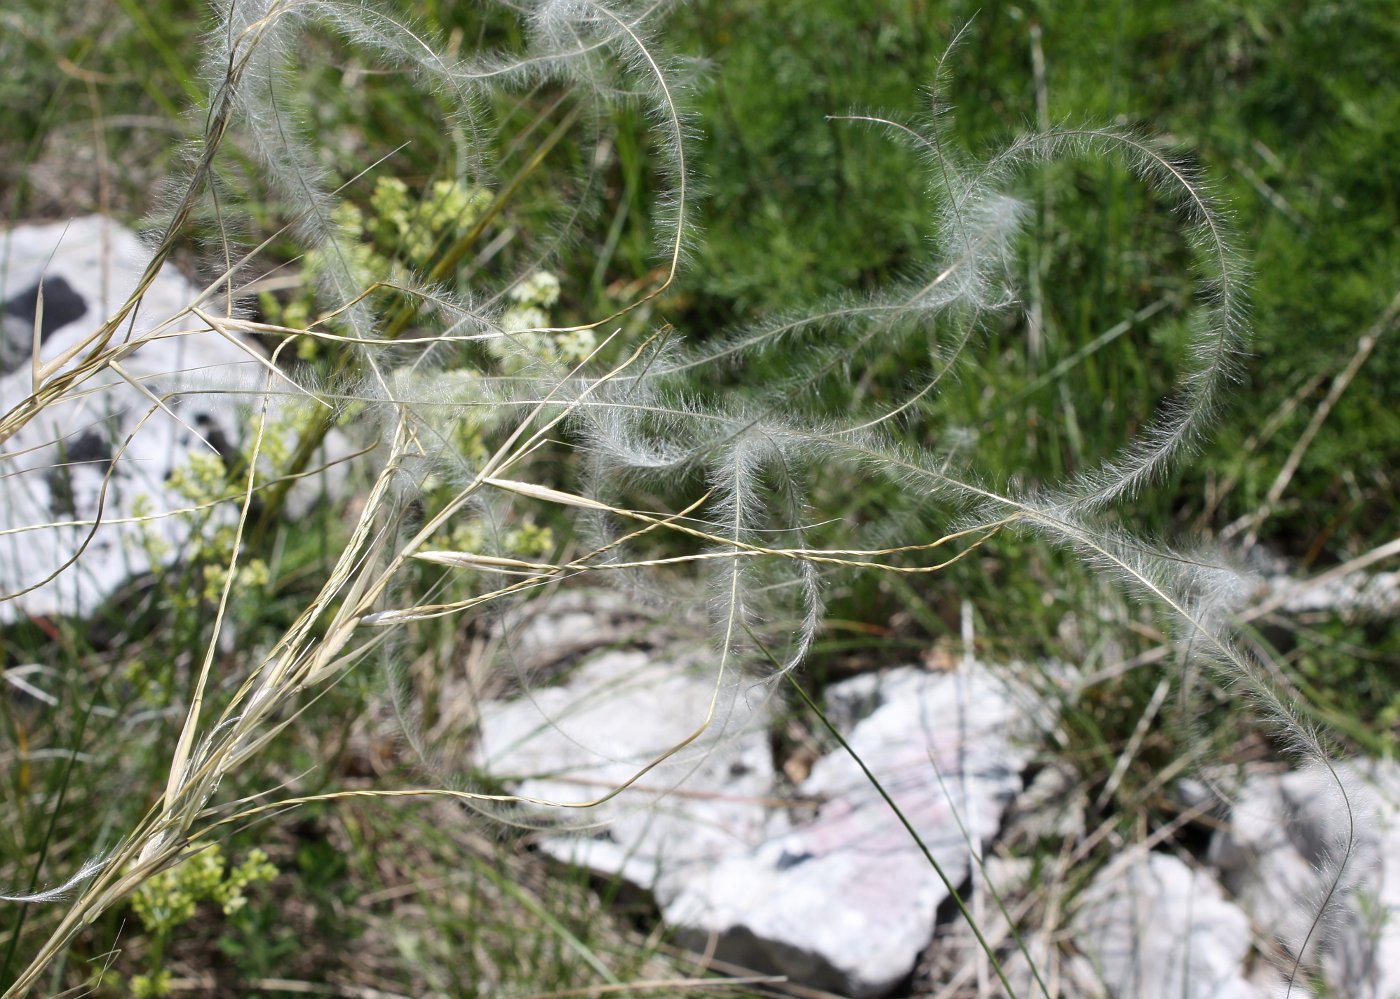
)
(596, 53)
(753, 447)
(648, 417)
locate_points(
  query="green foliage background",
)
(1286, 104)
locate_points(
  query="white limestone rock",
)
(847, 901)
(1279, 854)
(570, 623)
(54, 473)
(1359, 592)
(837, 895)
(618, 713)
(1153, 928)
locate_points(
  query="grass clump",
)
(519, 418)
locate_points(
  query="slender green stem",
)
(903, 820)
(48, 833)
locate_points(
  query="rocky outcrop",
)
(818, 879)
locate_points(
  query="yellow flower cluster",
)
(400, 233)
(528, 322)
(169, 899)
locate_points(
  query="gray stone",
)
(851, 701)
